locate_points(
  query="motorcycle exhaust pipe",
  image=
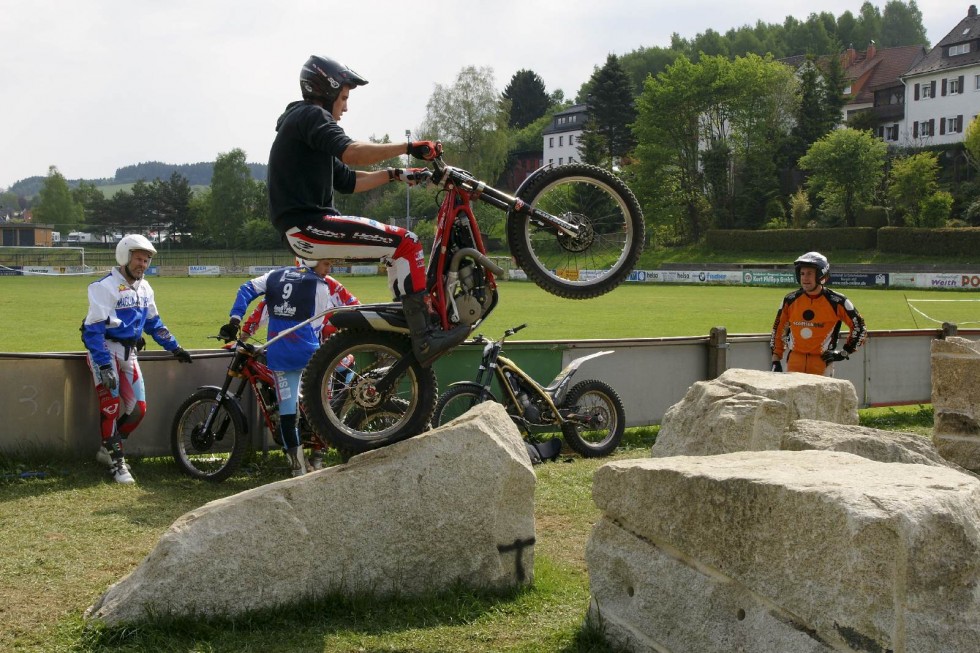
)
(474, 254)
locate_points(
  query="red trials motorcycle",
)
(575, 230)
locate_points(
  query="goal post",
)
(960, 312)
(44, 260)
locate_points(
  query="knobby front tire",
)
(355, 417)
(457, 400)
(603, 405)
(608, 245)
(208, 455)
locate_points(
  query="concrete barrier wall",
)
(49, 402)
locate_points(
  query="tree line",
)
(711, 132)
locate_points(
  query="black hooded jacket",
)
(305, 166)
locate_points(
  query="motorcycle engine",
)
(472, 300)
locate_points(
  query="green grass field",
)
(67, 532)
(40, 313)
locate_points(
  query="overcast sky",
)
(93, 86)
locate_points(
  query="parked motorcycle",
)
(575, 230)
(590, 414)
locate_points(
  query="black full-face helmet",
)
(322, 79)
(814, 260)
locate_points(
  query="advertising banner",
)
(203, 270)
(364, 270)
(858, 279)
(768, 278)
(258, 270)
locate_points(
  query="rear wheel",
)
(358, 414)
(610, 231)
(209, 454)
(457, 400)
(596, 419)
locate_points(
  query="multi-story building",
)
(561, 138)
(874, 86)
(942, 92)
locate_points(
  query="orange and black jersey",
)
(810, 324)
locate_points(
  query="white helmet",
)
(128, 243)
(306, 262)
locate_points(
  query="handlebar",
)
(480, 339)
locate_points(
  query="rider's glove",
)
(182, 355)
(229, 331)
(410, 176)
(777, 366)
(107, 377)
(427, 150)
(832, 355)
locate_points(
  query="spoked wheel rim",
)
(606, 230)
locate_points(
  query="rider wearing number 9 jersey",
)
(293, 295)
(310, 159)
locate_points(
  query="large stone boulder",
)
(779, 551)
(956, 400)
(873, 444)
(454, 506)
(749, 410)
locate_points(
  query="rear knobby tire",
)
(457, 400)
(611, 234)
(600, 401)
(353, 418)
(209, 456)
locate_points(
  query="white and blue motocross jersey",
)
(292, 295)
(121, 312)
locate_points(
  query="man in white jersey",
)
(120, 310)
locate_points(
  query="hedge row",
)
(894, 240)
(790, 240)
(930, 242)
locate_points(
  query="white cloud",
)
(90, 87)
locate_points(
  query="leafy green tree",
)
(971, 142)
(644, 62)
(173, 204)
(845, 169)
(528, 98)
(761, 111)
(868, 27)
(10, 203)
(92, 202)
(466, 117)
(258, 233)
(233, 199)
(901, 24)
(611, 109)
(936, 209)
(55, 204)
(144, 215)
(914, 179)
(669, 131)
(119, 213)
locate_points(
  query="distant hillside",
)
(197, 174)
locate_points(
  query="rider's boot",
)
(428, 340)
(297, 460)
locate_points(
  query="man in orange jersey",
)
(809, 320)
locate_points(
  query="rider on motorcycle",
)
(310, 158)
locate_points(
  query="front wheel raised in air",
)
(595, 417)
(210, 454)
(609, 238)
(358, 413)
(457, 400)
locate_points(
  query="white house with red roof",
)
(942, 91)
